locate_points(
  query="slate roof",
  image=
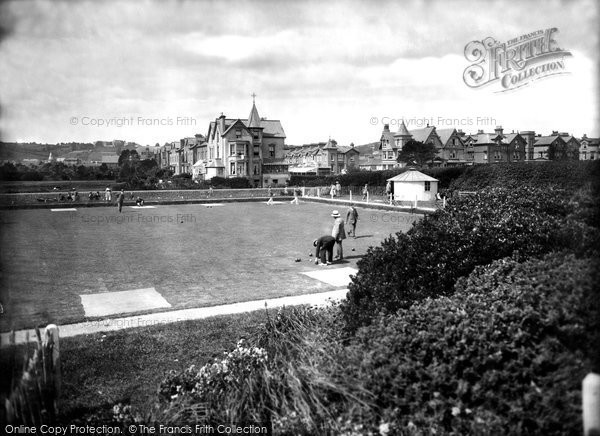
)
(423, 134)
(545, 140)
(445, 134)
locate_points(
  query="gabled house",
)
(495, 147)
(588, 148)
(238, 147)
(557, 146)
(452, 151)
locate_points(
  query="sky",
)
(157, 71)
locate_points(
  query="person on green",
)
(120, 200)
(351, 220)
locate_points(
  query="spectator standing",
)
(352, 219)
(365, 192)
(120, 199)
(338, 188)
(108, 194)
(339, 233)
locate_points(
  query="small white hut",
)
(413, 185)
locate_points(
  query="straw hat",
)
(335, 214)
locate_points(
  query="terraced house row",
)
(455, 147)
(255, 148)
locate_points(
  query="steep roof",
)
(422, 135)
(402, 130)
(511, 137)
(412, 175)
(445, 134)
(345, 149)
(546, 140)
(253, 118)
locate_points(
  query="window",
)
(272, 150)
(255, 135)
(332, 157)
(231, 149)
(274, 181)
(427, 186)
(238, 133)
(232, 168)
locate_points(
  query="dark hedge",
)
(504, 355)
(474, 230)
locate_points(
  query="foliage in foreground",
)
(290, 378)
(504, 355)
(475, 230)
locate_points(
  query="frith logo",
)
(515, 63)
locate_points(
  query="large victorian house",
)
(252, 148)
(448, 143)
(495, 147)
(557, 146)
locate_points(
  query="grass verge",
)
(127, 366)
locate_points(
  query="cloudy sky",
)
(159, 71)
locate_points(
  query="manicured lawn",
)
(237, 252)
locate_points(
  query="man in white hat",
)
(339, 233)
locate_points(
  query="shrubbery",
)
(570, 175)
(474, 230)
(289, 378)
(504, 355)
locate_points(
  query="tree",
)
(415, 152)
(128, 155)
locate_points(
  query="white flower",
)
(384, 429)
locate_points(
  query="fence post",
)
(350, 194)
(51, 338)
(590, 394)
(318, 192)
(416, 201)
(303, 192)
(367, 196)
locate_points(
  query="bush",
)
(570, 175)
(504, 355)
(289, 378)
(428, 259)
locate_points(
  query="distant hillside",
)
(18, 151)
(368, 149)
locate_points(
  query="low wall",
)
(184, 196)
(51, 199)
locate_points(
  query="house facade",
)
(495, 147)
(239, 147)
(557, 146)
(322, 158)
(588, 148)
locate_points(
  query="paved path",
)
(106, 325)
